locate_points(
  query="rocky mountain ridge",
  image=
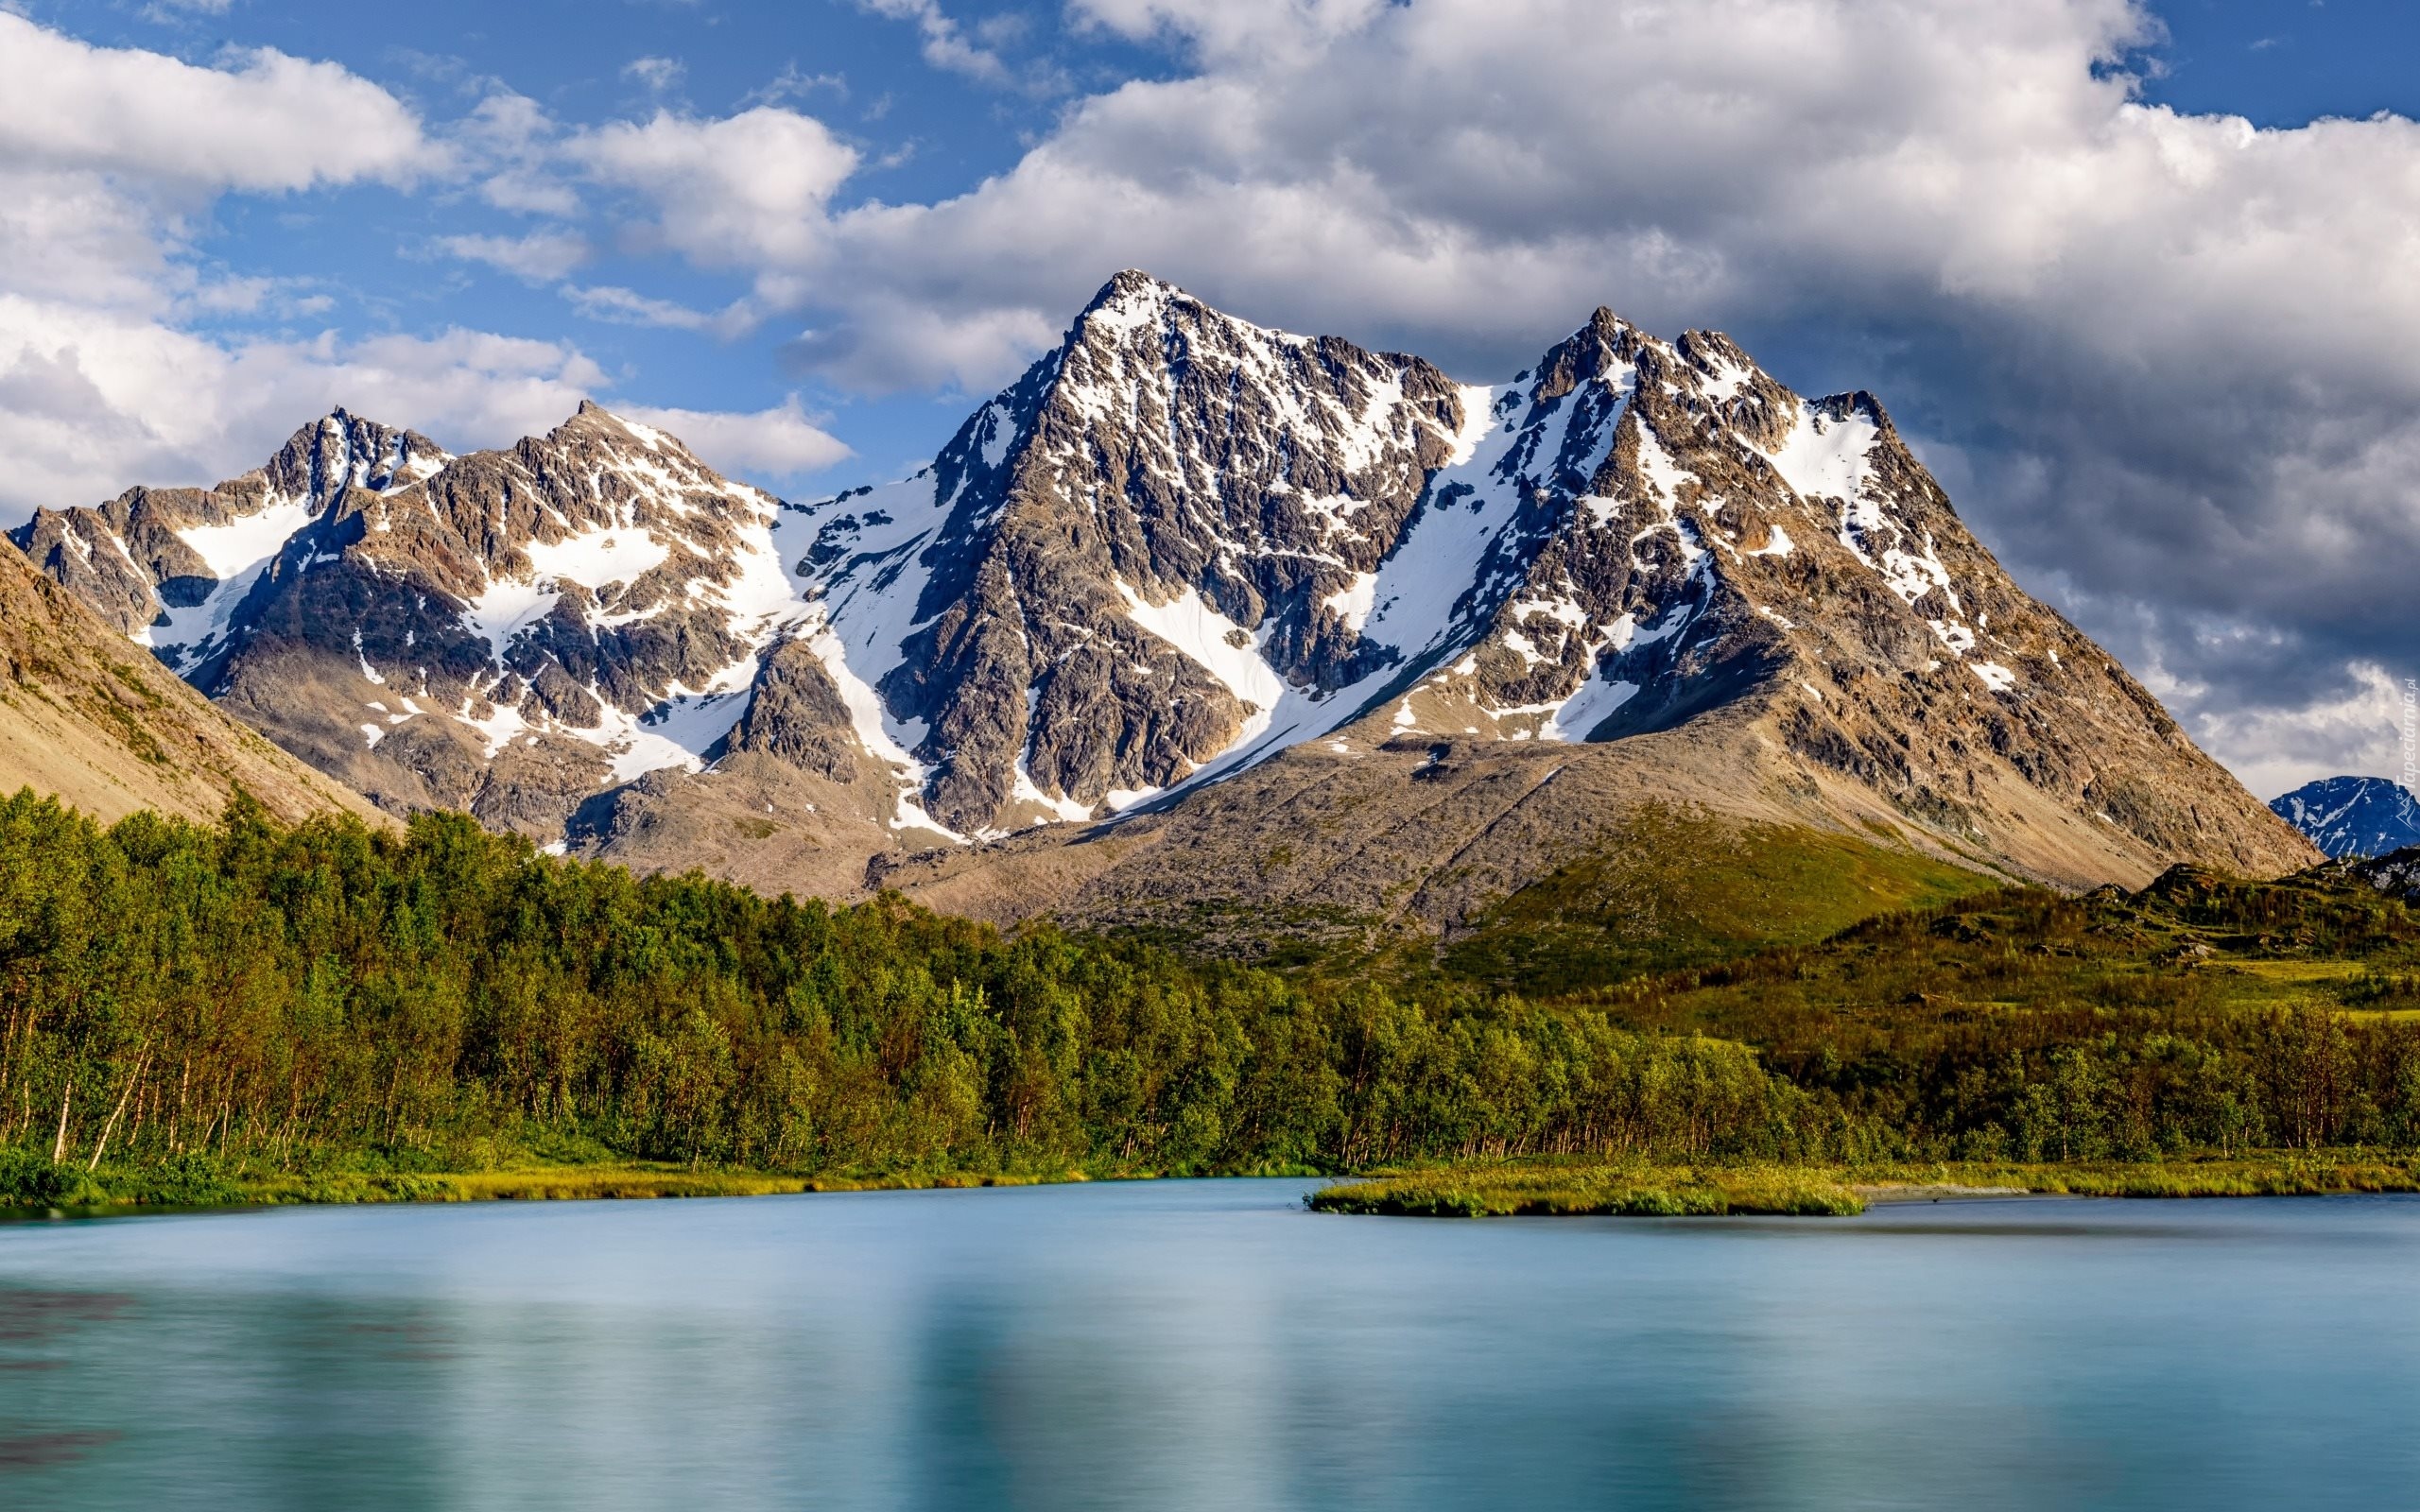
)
(507, 633)
(2397, 872)
(1182, 550)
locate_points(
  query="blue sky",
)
(2163, 359)
(2282, 62)
(926, 132)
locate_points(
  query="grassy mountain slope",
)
(1677, 889)
(88, 716)
(2193, 942)
(1532, 866)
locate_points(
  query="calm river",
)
(1193, 1345)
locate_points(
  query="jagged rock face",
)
(505, 631)
(796, 715)
(2397, 873)
(168, 565)
(1114, 570)
(2352, 815)
(1180, 545)
(1732, 542)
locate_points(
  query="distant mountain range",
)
(1318, 628)
(2352, 815)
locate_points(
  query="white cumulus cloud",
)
(271, 122)
(943, 44)
(622, 306)
(748, 190)
(770, 445)
(94, 400)
(540, 257)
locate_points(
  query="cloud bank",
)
(2168, 363)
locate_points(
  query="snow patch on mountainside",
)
(1597, 700)
(1470, 505)
(596, 557)
(507, 607)
(246, 545)
(678, 731)
(1661, 472)
(867, 595)
(1996, 677)
(1219, 646)
(1355, 601)
(236, 553)
(1825, 459)
(1067, 810)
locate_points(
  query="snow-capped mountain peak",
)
(405, 617)
(2352, 815)
(1179, 545)
(1115, 571)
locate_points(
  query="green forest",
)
(184, 1004)
(188, 1008)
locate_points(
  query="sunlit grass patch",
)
(626, 1181)
(1631, 1190)
(1647, 1188)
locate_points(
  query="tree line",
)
(259, 997)
(180, 1002)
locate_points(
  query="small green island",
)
(1647, 1188)
(247, 1012)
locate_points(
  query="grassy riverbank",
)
(1644, 1189)
(591, 1183)
(202, 1184)
(1534, 1188)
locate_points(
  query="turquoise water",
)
(1200, 1345)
